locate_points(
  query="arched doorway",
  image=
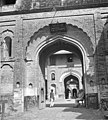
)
(45, 63)
(74, 93)
(71, 84)
(44, 47)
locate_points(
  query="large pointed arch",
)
(67, 39)
(39, 47)
(43, 35)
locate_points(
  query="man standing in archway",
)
(51, 98)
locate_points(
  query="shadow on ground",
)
(81, 112)
(85, 114)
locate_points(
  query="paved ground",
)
(61, 111)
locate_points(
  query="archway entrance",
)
(55, 59)
(71, 84)
(55, 55)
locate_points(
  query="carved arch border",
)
(74, 73)
(7, 65)
(67, 73)
(43, 35)
(70, 72)
(7, 33)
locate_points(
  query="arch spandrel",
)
(44, 36)
(86, 24)
(72, 72)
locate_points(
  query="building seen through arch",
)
(62, 66)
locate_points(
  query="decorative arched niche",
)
(7, 41)
(6, 79)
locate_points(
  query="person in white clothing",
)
(51, 98)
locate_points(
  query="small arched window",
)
(30, 85)
(8, 45)
(52, 76)
(17, 84)
(103, 81)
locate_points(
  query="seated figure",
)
(80, 97)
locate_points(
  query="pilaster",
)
(19, 66)
(18, 52)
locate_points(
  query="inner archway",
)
(71, 84)
(60, 55)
